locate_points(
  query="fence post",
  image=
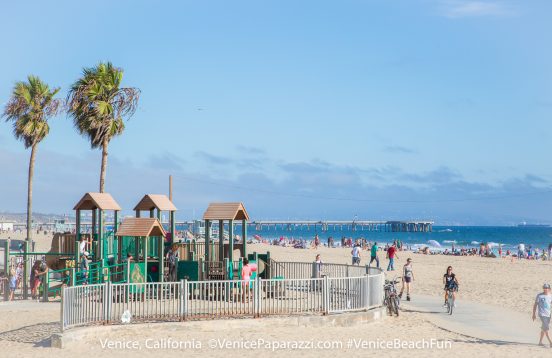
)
(73, 277)
(45, 286)
(381, 282)
(367, 294)
(107, 301)
(62, 309)
(128, 272)
(183, 299)
(326, 296)
(256, 297)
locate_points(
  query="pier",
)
(325, 225)
(354, 225)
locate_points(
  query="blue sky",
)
(436, 109)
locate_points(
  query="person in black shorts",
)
(451, 283)
(407, 278)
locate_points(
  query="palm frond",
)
(30, 106)
(97, 103)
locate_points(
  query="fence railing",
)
(312, 269)
(111, 303)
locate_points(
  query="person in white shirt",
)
(82, 245)
(543, 301)
(521, 250)
(356, 254)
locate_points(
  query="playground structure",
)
(203, 260)
(133, 250)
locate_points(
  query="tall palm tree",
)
(97, 103)
(30, 106)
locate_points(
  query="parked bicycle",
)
(391, 299)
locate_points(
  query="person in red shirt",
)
(391, 255)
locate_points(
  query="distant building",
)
(6, 225)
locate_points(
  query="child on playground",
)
(12, 283)
(84, 266)
(246, 272)
(35, 278)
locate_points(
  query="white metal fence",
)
(188, 300)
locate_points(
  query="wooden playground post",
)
(173, 226)
(231, 240)
(160, 253)
(100, 244)
(207, 240)
(115, 222)
(77, 235)
(244, 237)
(94, 225)
(146, 239)
(221, 240)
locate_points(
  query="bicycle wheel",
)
(395, 302)
(450, 302)
(389, 305)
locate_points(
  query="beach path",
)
(489, 323)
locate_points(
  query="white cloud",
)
(469, 8)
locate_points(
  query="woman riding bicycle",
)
(451, 284)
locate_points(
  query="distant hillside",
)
(37, 217)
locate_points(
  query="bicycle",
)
(450, 298)
(391, 299)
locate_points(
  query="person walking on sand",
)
(374, 255)
(543, 301)
(521, 251)
(318, 263)
(391, 255)
(407, 278)
(355, 253)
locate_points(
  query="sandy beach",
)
(25, 327)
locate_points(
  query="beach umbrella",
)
(434, 243)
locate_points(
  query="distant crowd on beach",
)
(345, 242)
(485, 249)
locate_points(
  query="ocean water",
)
(461, 236)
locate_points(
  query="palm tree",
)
(30, 106)
(97, 104)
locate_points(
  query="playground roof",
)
(143, 227)
(226, 211)
(155, 201)
(102, 201)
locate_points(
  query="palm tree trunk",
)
(104, 166)
(30, 193)
(27, 267)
